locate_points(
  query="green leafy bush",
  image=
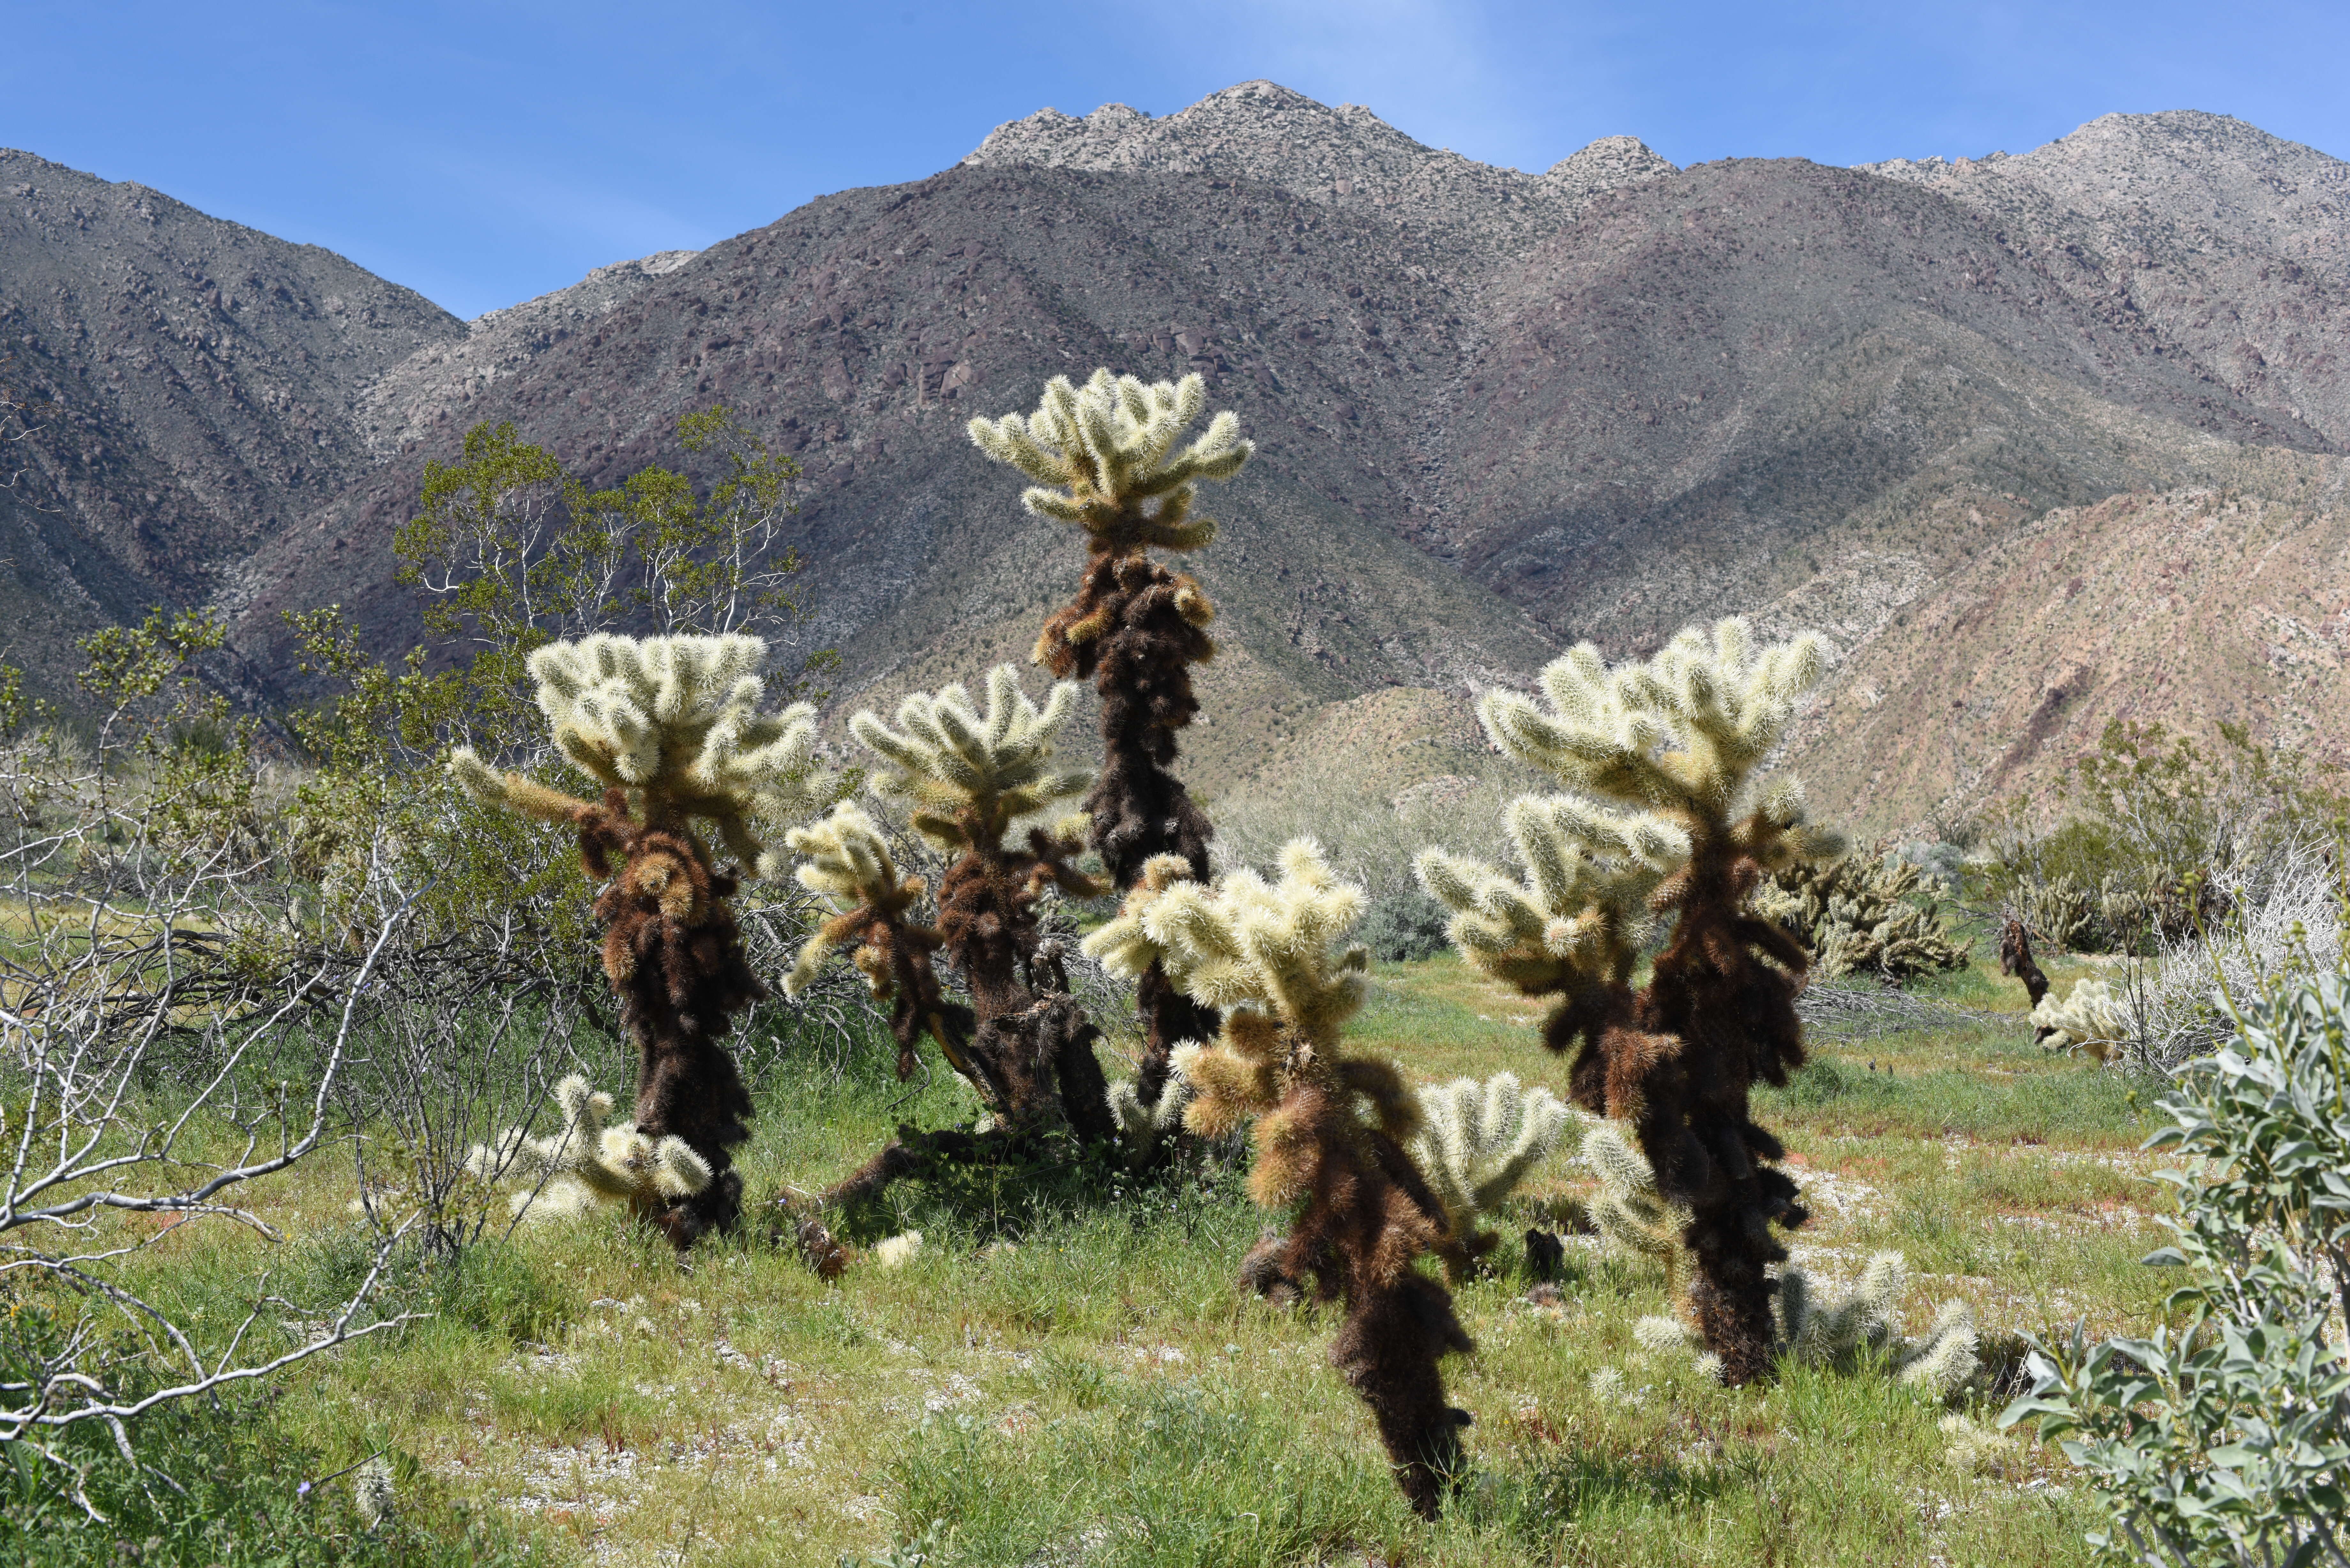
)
(2225, 1436)
(2159, 833)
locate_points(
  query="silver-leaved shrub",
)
(2225, 1437)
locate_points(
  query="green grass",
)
(1066, 1373)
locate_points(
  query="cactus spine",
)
(1477, 1142)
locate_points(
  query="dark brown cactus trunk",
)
(2015, 959)
(675, 958)
(1032, 1054)
(1368, 1215)
(1676, 1062)
(1136, 629)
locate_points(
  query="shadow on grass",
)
(2037, 1104)
(1588, 1488)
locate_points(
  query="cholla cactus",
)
(1630, 1213)
(963, 778)
(1144, 1127)
(1855, 916)
(1836, 1329)
(847, 862)
(1668, 818)
(1574, 925)
(674, 721)
(897, 1252)
(372, 1491)
(1105, 458)
(1329, 1128)
(584, 1163)
(2092, 1020)
(1851, 1328)
(1476, 1142)
(670, 727)
(1972, 1449)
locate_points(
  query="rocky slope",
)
(2189, 607)
(195, 384)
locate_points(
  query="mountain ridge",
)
(1497, 411)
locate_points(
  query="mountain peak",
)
(1242, 131)
(1266, 133)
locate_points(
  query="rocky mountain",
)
(416, 398)
(195, 387)
(2229, 246)
(1496, 410)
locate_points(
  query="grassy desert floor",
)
(1063, 1376)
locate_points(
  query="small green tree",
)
(2159, 832)
(514, 553)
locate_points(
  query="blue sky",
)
(487, 151)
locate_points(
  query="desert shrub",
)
(1405, 927)
(231, 1484)
(2225, 1436)
(2158, 833)
(166, 1046)
(1369, 835)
